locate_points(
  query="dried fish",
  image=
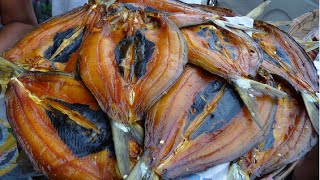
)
(59, 125)
(233, 57)
(53, 46)
(131, 56)
(291, 138)
(285, 58)
(128, 64)
(199, 123)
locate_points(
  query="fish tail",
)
(8, 70)
(120, 136)
(142, 171)
(250, 104)
(266, 89)
(137, 133)
(248, 89)
(311, 102)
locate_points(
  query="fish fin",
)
(279, 23)
(285, 171)
(120, 135)
(9, 67)
(137, 133)
(8, 70)
(248, 90)
(228, 26)
(250, 104)
(311, 102)
(265, 89)
(256, 12)
(141, 171)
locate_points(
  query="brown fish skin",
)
(216, 10)
(295, 66)
(58, 86)
(293, 138)
(53, 45)
(240, 70)
(39, 137)
(233, 56)
(176, 146)
(117, 95)
(180, 13)
(285, 58)
(242, 51)
(128, 63)
(222, 52)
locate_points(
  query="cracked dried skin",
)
(131, 61)
(54, 44)
(58, 145)
(180, 13)
(221, 52)
(285, 58)
(293, 138)
(190, 129)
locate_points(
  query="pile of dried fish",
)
(138, 89)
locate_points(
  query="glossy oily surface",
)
(190, 129)
(53, 45)
(104, 92)
(284, 57)
(128, 62)
(131, 60)
(60, 134)
(222, 52)
(180, 13)
(292, 136)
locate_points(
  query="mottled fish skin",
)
(82, 141)
(189, 129)
(54, 44)
(138, 66)
(56, 144)
(128, 62)
(212, 52)
(293, 138)
(285, 58)
(231, 55)
(64, 55)
(222, 52)
(180, 13)
(57, 40)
